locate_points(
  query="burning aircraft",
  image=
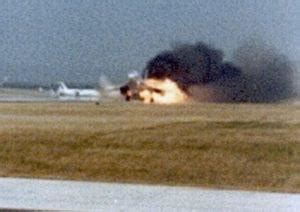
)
(198, 71)
(153, 91)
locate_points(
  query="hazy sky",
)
(46, 41)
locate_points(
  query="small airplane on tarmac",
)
(63, 90)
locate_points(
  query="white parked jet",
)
(63, 90)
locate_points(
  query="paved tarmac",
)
(19, 193)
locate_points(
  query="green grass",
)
(244, 146)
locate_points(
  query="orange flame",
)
(162, 92)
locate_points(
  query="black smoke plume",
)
(258, 73)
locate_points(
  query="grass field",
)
(244, 146)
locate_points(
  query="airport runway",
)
(19, 193)
(29, 95)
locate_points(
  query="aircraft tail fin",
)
(62, 85)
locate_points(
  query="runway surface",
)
(19, 193)
(30, 95)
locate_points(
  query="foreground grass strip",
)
(227, 146)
